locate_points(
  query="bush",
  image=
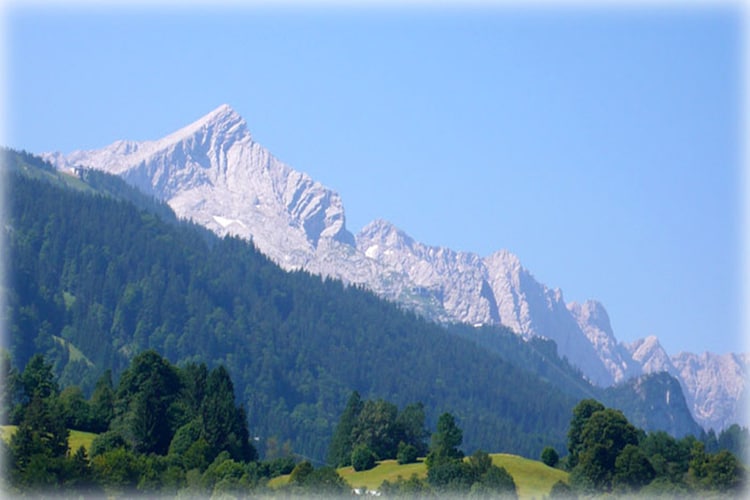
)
(108, 441)
(407, 453)
(550, 456)
(363, 458)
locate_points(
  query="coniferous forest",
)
(170, 341)
(95, 280)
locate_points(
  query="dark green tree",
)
(340, 450)
(194, 377)
(449, 476)
(76, 408)
(37, 378)
(445, 441)
(724, 473)
(40, 441)
(224, 424)
(633, 470)
(493, 483)
(719, 471)
(581, 413)
(118, 471)
(478, 464)
(549, 456)
(108, 441)
(9, 387)
(145, 393)
(376, 428)
(604, 435)
(101, 404)
(40, 444)
(669, 457)
(185, 437)
(406, 454)
(363, 458)
(325, 482)
(410, 424)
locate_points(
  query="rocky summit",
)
(213, 172)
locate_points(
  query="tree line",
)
(606, 453)
(170, 429)
(161, 429)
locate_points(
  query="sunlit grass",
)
(533, 479)
(80, 438)
(386, 469)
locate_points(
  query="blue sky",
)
(603, 147)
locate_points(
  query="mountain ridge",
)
(213, 172)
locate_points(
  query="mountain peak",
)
(592, 312)
(223, 121)
(382, 230)
(223, 114)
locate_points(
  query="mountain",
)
(98, 276)
(714, 385)
(215, 174)
(653, 402)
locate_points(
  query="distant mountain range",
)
(213, 172)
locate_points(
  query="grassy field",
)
(76, 439)
(387, 469)
(534, 480)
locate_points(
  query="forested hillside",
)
(94, 280)
(100, 272)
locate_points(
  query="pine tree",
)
(340, 450)
(445, 442)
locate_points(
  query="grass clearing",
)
(534, 480)
(386, 469)
(80, 438)
(76, 439)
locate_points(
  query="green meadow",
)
(533, 479)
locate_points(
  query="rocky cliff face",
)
(593, 321)
(654, 402)
(713, 384)
(214, 173)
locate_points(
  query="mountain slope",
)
(214, 173)
(111, 279)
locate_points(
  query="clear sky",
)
(603, 147)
